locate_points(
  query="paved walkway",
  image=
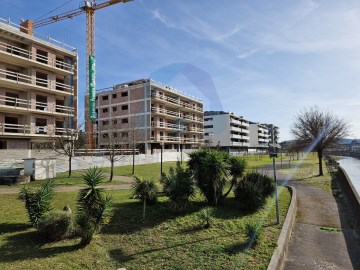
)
(323, 236)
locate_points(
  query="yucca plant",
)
(146, 190)
(37, 201)
(93, 206)
(206, 216)
(179, 187)
(253, 230)
(249, 195)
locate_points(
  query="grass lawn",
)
(165, 241)
(307, 170)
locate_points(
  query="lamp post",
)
(161, 158)
(273, 153)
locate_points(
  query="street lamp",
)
(273, 153)
(161, 158)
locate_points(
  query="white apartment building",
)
(274, 133)
(161, 116)
(259, 137)
(226, 131)
(38, 90)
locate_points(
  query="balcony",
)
(174, 139)
(238, 136)
(245, 144)
(21, 81)
(240, 130)
(164, 125)
(17, 55)
(196, 130)
(176, 102)
(18, 105)
(14, 129)
(239, 122)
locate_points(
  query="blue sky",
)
(264, 60)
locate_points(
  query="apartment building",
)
(159, 116)
(259, 137)
(38, 89)
(274, 133)
(227, 131)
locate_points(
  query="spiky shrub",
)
(264, 182)
(93, 206)
(249, 195)
(210, 169)
(146, 190)
(179, 187)
(37, 201)
(253, 230)
(56, 225)
(206, 216)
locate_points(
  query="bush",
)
(206, 217)
(253, 230)
(178, 187)
(56, 225)
(146, 190)
(37, 201)
(264, 182)
(249, 196)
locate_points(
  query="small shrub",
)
(146, 190)
(249, 196)
(265, 183)
(56, 225)
(178, 187)
(253, 230)
(206, 217)
(37, 201)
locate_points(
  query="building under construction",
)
(149, 116)
(38, 91)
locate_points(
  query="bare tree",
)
(134, 136)
(318, 129)
(68, 141)
(114, 141)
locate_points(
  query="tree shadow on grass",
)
(127, 216)
(13, 227)
(29, 245)
(237, 248)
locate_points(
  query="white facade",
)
(274, 133)
(226, 130)
(259, 136)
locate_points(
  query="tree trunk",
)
(70, 157)
(233, 182)
(320, 162)
(133, 162)
(111, 170)
(144, 207)
(215, 195)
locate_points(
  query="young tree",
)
(319, 129)
(146, 190)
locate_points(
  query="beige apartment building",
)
(38, 90)
(157, 115)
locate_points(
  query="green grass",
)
(307, 170)
(165, 241)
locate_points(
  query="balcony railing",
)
(6, 128)
(240, 144)
(176, 114)
(28, 55)
(239, 122)
(6, 101)
(168, 125)
(177, 102)
(240, 130)
(175, 139)
(200, 130)
(22, 78)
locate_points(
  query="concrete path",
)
(323, 237)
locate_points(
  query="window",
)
(59, 62)
(206, 134)
(41, 79)
(114, 109)
(114, 95)
(124, 107)
(60, 83)
(105, 123)
(209, 126)
(124, 134)
(12, 74)
(13, 124)
(208, 119)
(41, 126)
(115, 122)
(3, 144)
(11, 99)
(105, 110)
(115, 135)
(105, 136)
(124, 121)
(41, 56)
(124, 94)
(105, 97)
(41, 103)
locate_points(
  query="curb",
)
(279, 255)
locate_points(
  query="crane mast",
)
(90, 6)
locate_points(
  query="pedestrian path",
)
(323, 236)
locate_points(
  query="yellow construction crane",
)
(89, 8)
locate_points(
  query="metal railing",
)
(175, 139)
(6, 128)
(22, 78)
(176, 102)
